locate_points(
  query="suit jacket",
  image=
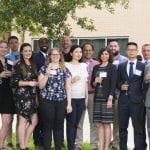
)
(108, 83)
(136, 91)
(147, 101)
(39, 60)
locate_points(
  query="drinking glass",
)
(126, 83)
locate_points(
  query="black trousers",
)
(129, 109)
(52, 115)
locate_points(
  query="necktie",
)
(131, 71)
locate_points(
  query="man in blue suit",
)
(40, 59)
(130, 84)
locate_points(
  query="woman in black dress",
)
(25, 81)
(104, 80)
(6, 96)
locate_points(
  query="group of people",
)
(46, 87)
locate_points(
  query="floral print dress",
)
(24, 97)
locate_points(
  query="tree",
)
(48, 16)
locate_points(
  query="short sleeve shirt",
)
(55, 86)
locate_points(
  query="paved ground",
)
(86, 132)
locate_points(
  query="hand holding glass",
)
(127, 85)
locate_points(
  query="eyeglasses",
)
(130, 50)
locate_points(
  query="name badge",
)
(116, 62)
(138, 72)
(10, 62)
(53, 72)
(103, 74)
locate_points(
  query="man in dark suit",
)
(130, 84)
(40, 59)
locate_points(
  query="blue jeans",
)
(78, 105)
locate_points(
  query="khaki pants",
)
(93, 128)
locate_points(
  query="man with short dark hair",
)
(13, 57)
(40, 59)
(65, 47)
(118, 59)
(88, 51)
(130, 103)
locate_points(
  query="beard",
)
(44, 49)
(115, 53)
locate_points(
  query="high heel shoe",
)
(22, 148)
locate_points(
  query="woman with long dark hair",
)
(25, 96)
(79, 93)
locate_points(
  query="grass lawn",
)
(86, 145)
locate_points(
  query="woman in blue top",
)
(55, 98)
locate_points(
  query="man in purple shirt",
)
(88, 51)
(118, 59)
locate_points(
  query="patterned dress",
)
(24, 97)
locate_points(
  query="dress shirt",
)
(44, 54)
(90, 65)
(134, 66)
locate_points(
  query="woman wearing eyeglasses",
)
(55, 98)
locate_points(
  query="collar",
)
(148, 61)
(134, 61)
(117, 57)
(88, 60)
(15, 53)
(44, 54)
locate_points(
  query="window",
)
(98, 42)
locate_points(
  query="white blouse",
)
(79, 87)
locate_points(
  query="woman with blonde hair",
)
(55, 98)
(6, 95)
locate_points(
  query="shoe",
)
(9, 146)
(114, 148)
(63, 145)
(38, 147)
(94, 148)
(78, 148)
(17, 145)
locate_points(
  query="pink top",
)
(90, 65)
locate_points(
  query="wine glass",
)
(100, 84)
(5, 67)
